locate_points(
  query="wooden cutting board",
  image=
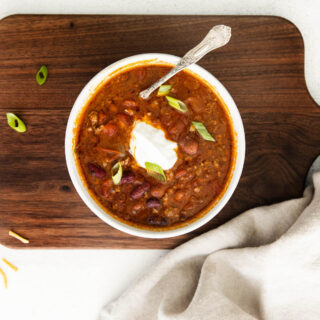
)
(262, 67)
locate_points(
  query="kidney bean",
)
(102, 118)
(154, 104)
(139, 191)
(139, 179)
(188, 176)
(164, 222)
(166, 119)
(141, 74)
(113, 108)
(196, 189)
(180, 173)
(176, 129)
(122, 197)
(107, 192)
(124, 118)
(108, 183)
(195, 103)
(127, 177)
(138, 206)
(189, 145)
(130, 112)
(96, 170)
(158, 190)
(157, 221)
(153, 203)
(189, 206)
(110, 129)
(178, 196)
(129, 103)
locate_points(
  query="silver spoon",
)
(217, 37)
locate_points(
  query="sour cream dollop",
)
(149, 144)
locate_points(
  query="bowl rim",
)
(80, 103)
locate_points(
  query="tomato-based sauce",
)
(203, 167)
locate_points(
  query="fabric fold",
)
(263, 264)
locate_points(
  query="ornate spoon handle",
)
(217, 37)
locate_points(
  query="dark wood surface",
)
(262, 67)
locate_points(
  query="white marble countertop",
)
(74, 284)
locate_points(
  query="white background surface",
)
(74, 284)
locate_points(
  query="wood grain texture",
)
(262, 67)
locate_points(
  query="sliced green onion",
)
(164, 90)
(16, 123)
(155, 171)
(116, 173)
(203, 131)
(177, 104)
(41, 76)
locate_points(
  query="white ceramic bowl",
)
(86, 94)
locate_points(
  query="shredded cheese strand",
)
(8, 263)
(17, 236)
(4, 278)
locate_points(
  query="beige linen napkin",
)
(264, 264)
